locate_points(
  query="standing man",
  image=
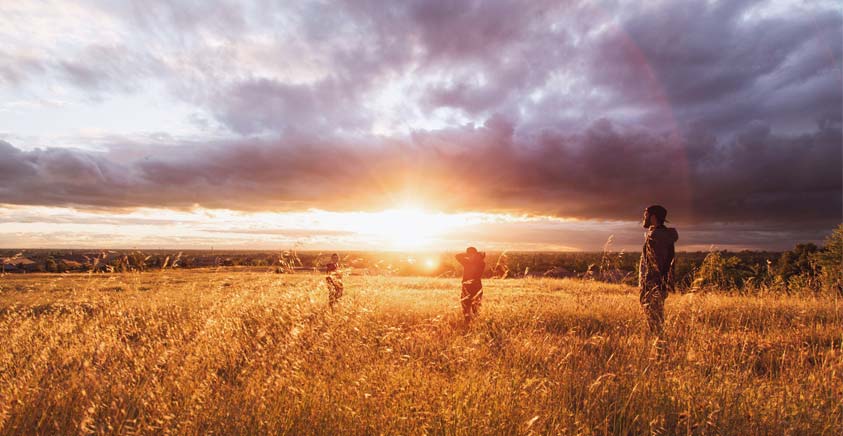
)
(473, 263)
(655, 273)
(333, 278)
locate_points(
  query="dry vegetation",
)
(198, 352)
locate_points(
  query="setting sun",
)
(407, 228)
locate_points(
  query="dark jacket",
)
(657, 257)
(472, 269)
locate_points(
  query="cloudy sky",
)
(418, 124)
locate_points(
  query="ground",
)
(201, 352)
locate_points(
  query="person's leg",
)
(655, 312)
(466, 302)
(653, 306)
(332, 292)
(652, 302)
(476, 300)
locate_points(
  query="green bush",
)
(721, 272)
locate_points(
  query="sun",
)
(406, 228)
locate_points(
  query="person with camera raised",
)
(473, 263)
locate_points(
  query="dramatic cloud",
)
(607, 172)
(724, 111)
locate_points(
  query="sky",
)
(541, 125)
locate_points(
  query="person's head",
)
(654, 215)
(335, 258)
(473, 253)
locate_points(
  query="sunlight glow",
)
(406, 228)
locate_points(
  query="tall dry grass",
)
(244, 353)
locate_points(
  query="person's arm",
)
(641, 270)
(643, 263)
(670, 266)
(462, 258)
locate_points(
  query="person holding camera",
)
(333, 278)
(473, 263)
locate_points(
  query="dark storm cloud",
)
(58, 176)
(759, 173)
(717, 111)
(720, 67)
(608, 172)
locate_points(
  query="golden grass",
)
(192, 352)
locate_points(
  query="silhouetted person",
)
(473, 264)
(333, 278)
(655, 276)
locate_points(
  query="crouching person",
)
(655, 276)
(473, 263)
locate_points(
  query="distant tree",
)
(50, 265)
(830, 259)
(798, 261)
(136, 261)
(721, 272)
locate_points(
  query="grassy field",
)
(199, 352)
